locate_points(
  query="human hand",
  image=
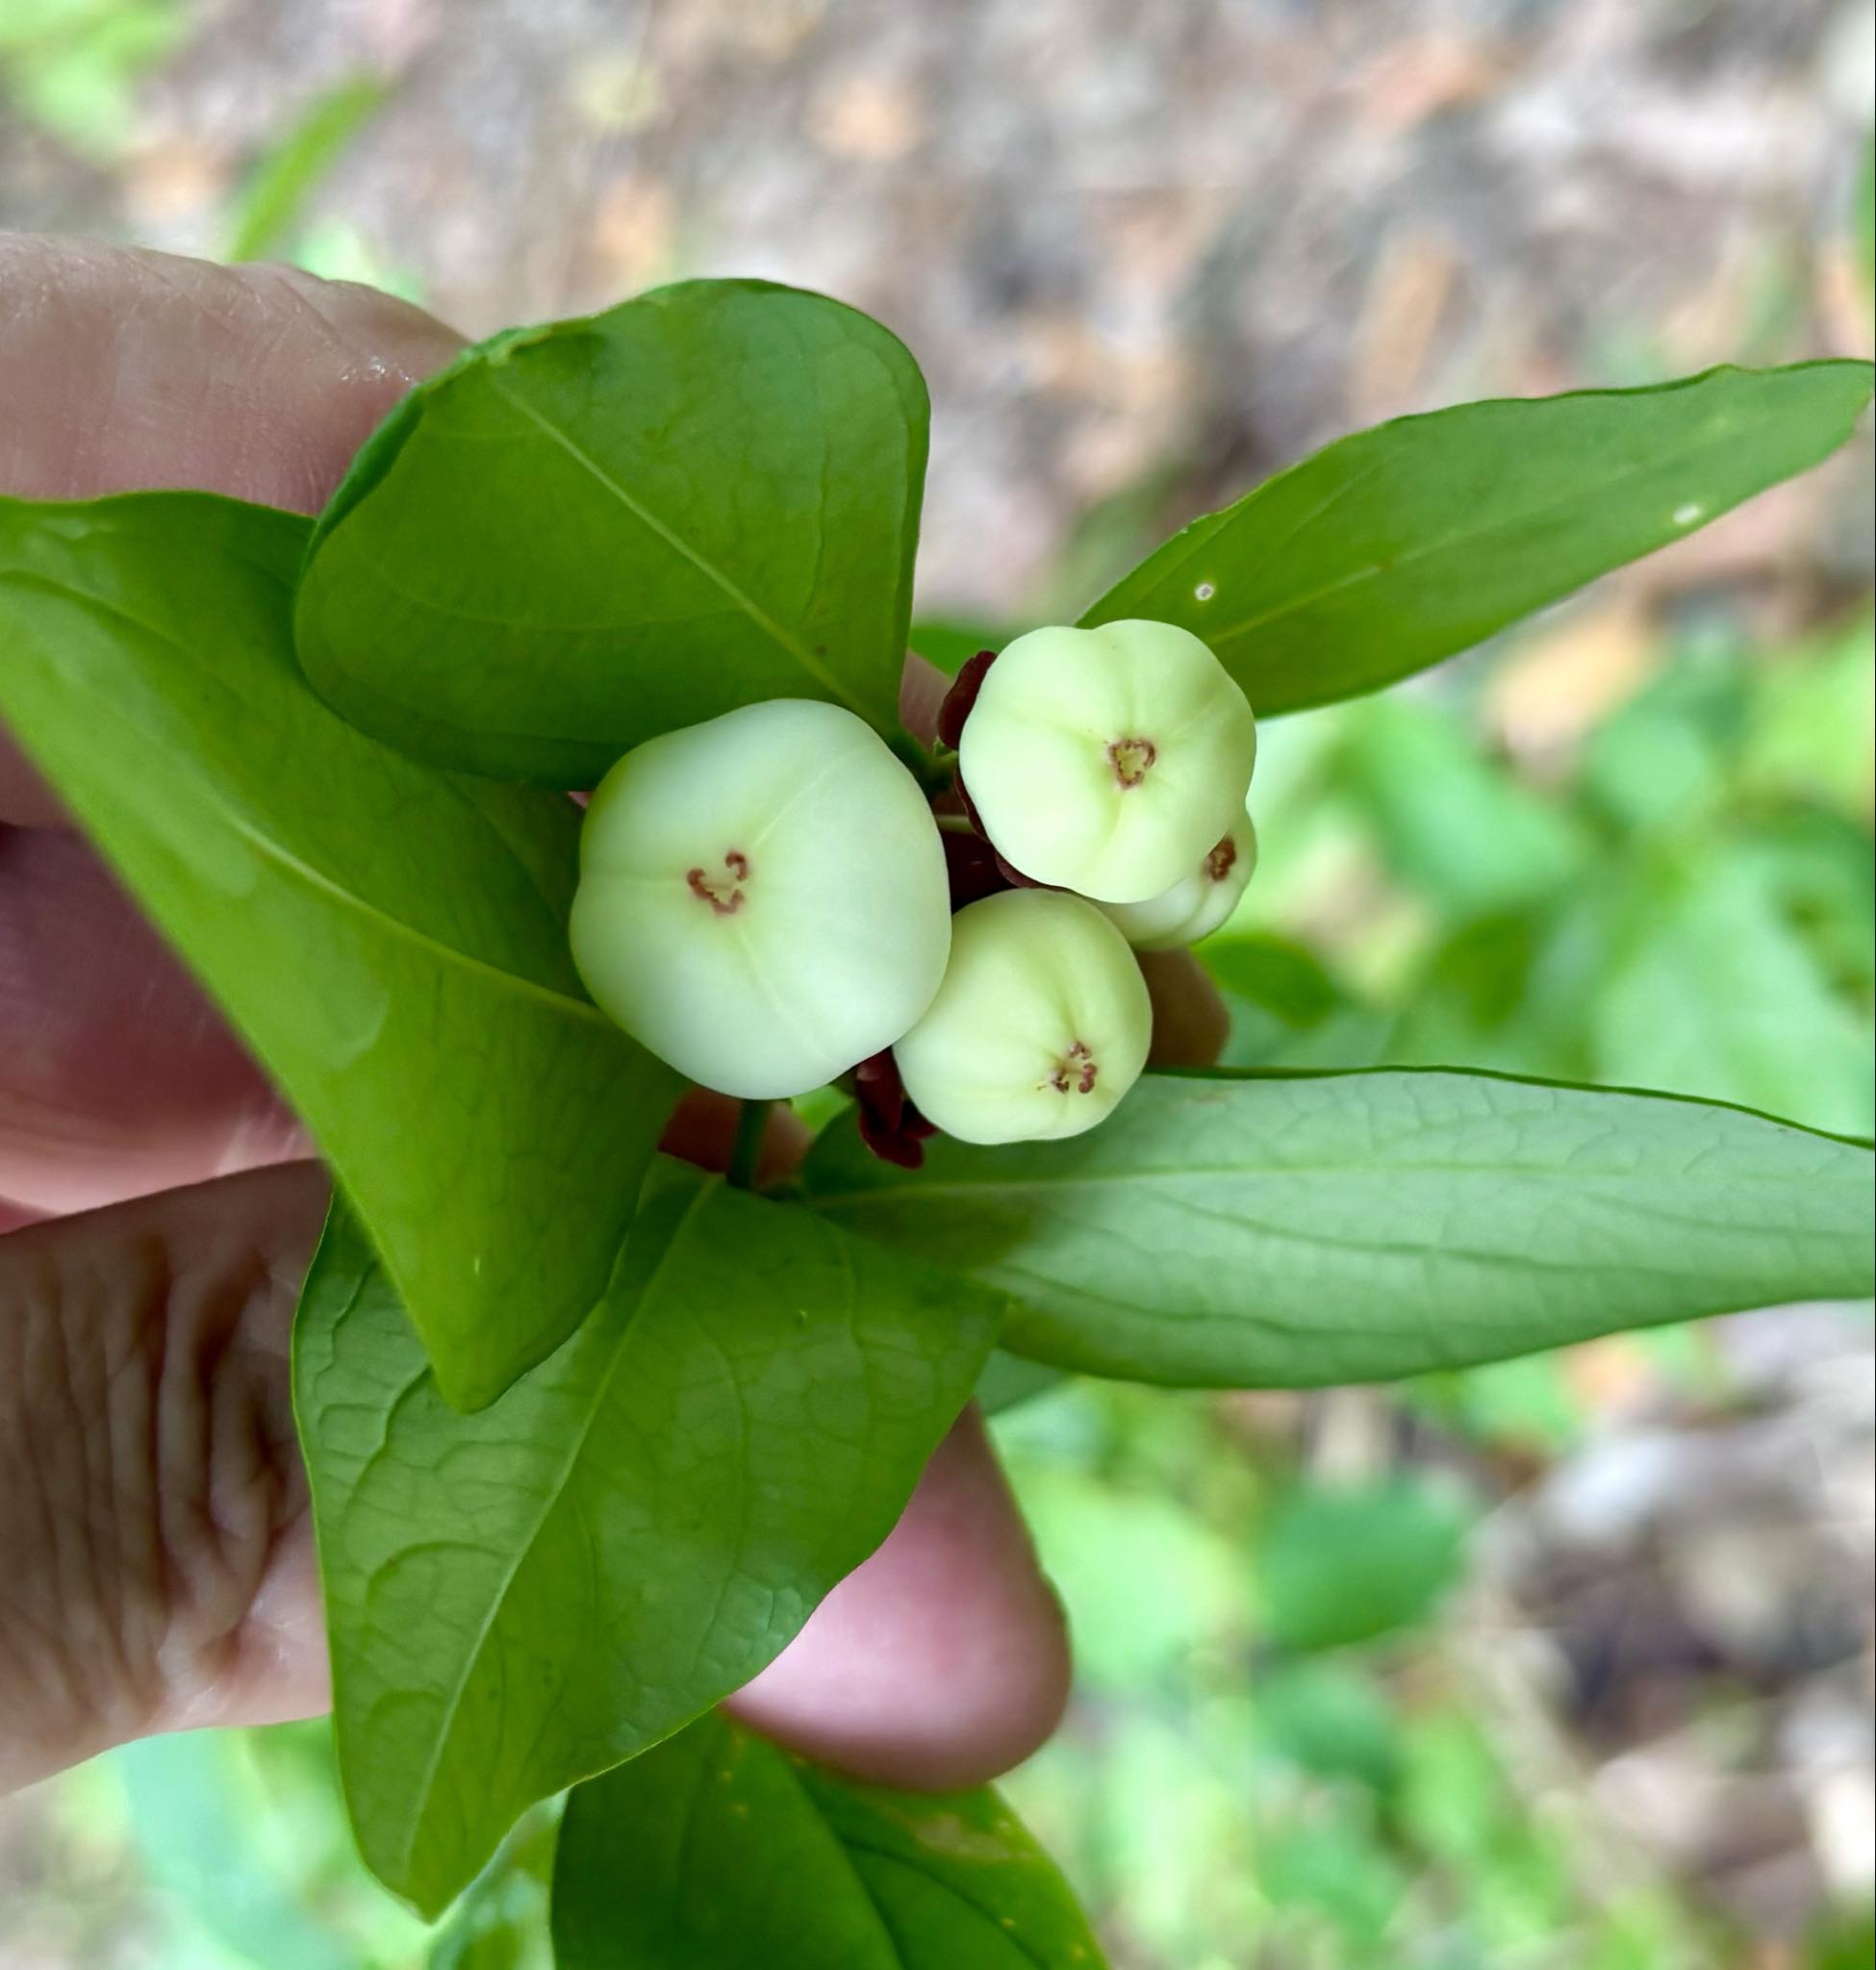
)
(155, 1542)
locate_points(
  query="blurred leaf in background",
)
(279, 211)
(1337, 1566)
(268, 214)
(1275, 1759)
(951, 642)
(246, 1851)
(1687, 907)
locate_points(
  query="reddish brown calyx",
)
(890, 1126)
(1005, 874)
(977, 870)
(973, 866)
(961, 697)
(725, 892)
(1221, 860)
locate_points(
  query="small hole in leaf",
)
(1205, 591)
(1686, 513)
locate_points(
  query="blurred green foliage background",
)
(1558, 1665)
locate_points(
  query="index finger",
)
(124, 370)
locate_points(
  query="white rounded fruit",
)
(762, 900)
(1040, 1028)
(1108, 760)
(1198, 902)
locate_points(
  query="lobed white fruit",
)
(1199, 902)
(1108, 760)
(1041, 1026)
(763, 899)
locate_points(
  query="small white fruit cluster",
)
(766, 900)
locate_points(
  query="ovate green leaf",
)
(1451, 823)
(1400, 545)
(388, 939)
(1717, 993)
(1287, 1230)
(522, 1598)
(718, 1851)
(1337, 1566)
(582, 535)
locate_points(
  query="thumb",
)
(125, 368)
(155, 1546)
(155, 1552)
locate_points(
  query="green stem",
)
(751, 1125)
(930, 767)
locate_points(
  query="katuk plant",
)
(591, 1433)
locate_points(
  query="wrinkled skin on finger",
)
(157, 1545)
(153, 1509)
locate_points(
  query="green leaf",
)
(1290, 1231)
(1493, 995)
(1842, 1939)
(582, 535)
(267, 215)
(717, 1852)
(1449, 821)
(74, 66)
(1393, 548)
(1327, 1717)
(1146, 1581)
(1813, 730)
(1820, 870)
(1334, 1865)
(1008, 1380)
(1337, 1567)
(1287, 1010)
(1275, 976)
(390, 940)
(522, 1598)
(950, 643)
(1719, 995)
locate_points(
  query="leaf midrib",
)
(1466, 537)
(847, 1846)
(208, 793)
(555, 1493)
(563, 1003)
(680, 547)
(1019, 1944)
(891, 1193)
